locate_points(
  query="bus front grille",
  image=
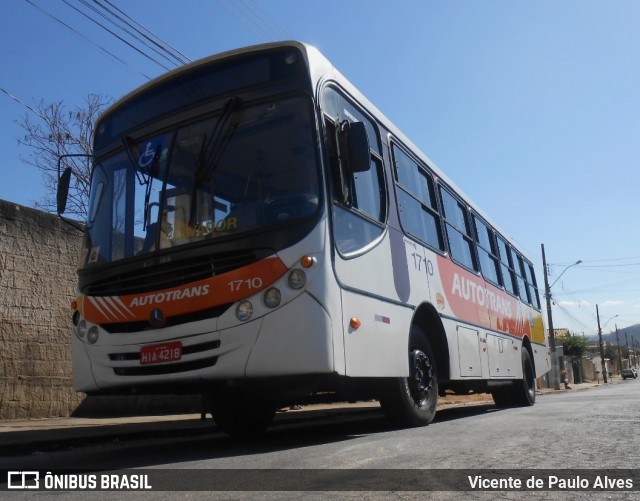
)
(170, 274)
(159, 369)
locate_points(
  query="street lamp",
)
(604, 369)
(552, 337)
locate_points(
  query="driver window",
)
(359, 208)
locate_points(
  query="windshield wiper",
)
(221, 134)
(128, 144)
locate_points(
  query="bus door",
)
(373, 342)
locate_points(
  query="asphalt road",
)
(571, 435)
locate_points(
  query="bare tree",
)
(58, 132)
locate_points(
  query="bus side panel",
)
(376, 345)
(504, 356)
(420, 270)
(379, 346)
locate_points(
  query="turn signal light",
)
(355, 323)
(307, 261)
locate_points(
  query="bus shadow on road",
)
(155, 444)
(463, 411)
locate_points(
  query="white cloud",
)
(580, 304)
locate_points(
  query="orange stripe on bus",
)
(195, 296)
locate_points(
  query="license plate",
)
(161, 353)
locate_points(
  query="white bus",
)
(258, 232)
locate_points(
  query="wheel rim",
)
(420, 378)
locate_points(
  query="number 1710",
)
(249, 283)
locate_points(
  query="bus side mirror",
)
(356, 141)
(63, 191)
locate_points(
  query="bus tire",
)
(411, 401)
(242, 418)
(523, 391)
(526, 387)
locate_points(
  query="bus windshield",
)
(249, 167)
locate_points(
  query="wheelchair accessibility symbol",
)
(149, 152)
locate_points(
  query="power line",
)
(140, 51)
(569, 316)
(255, 20)
(146, 33)
(17, 100)
(109, 17)
(248, 14)
(230, 10)
(608, 260)
(32, 110)
(273, 20)
(88, 40)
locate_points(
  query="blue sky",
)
(532, 108)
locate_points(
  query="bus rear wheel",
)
(242, 418)
(411, 401)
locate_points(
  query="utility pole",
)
(619, 352)
(552, 338)
(627, 339)
(604, 368)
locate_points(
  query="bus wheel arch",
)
(426, 322)
(411, 401)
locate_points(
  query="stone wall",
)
(38, 259)
(38, 256)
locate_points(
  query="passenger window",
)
(413, 179)
(458, 229)
(533, 285)
(506, 267)
(523, 291)
(487, 252)
(416, 201)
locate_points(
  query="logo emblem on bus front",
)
(156, 319)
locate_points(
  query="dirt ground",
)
(452, 399)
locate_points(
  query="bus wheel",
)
(526, 387)
(411, 401)
(523, 391)
(242, 418)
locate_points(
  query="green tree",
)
(610, 351)
(55, 132)
(574, 346)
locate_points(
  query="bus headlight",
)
(244, 311)
(272, 297)
(92, 335)
(297, 279)
(82, 328)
